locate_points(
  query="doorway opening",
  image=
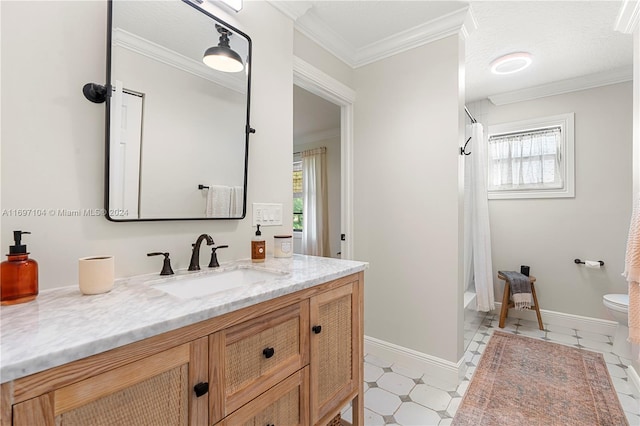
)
(316, 132)
(312, 80)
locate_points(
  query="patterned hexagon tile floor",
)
(395, 395)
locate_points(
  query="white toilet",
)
(618, 306)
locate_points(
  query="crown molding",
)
(628, 19)
(293, 10)
(590, 81)
(317, 136)
(315, 28)
(469, 25)
(169, 57)
(460, 21)
(436, 29)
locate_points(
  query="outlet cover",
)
(267, 214)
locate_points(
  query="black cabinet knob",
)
(316, 329)
(268, 352)
(201, 388)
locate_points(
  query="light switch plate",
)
(267, 214)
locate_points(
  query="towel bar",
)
(578, 261)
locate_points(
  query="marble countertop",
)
(62, 325)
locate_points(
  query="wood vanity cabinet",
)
(335, 352)
(292, 360)
(249, 358)
(157, 389)
(285, 404)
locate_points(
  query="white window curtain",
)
(526, 160)
(315, 226)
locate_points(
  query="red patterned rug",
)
(526, 381)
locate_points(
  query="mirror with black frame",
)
(177, 125)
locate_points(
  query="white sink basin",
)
(205, 284)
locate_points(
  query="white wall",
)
(407, 133)
(53, 140)
(333, 183)
(548, 234)
(309, 51)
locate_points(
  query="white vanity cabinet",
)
(296, 359)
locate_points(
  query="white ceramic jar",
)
(282, 246)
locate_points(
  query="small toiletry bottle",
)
(19, 274)
(258, 247)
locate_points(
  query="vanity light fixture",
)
(511, 63)
(222, 57)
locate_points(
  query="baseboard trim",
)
(438, 368)
(595, 325)
(634, 379)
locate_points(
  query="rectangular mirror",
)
(177, 129)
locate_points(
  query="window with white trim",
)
(532, 158)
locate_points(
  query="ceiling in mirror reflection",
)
(157, 29)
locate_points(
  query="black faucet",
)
(166, 266)
(213, 263)
(194, 265)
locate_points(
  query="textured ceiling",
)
(567, 40)
(363, 22)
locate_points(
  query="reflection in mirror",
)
(178, 129)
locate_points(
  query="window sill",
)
(531, 193)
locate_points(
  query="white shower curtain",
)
(477, 245)
(315, 226)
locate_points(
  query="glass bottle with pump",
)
(19, 274)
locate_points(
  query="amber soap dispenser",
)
(19, 274)
(258, 247)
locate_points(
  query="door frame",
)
(317, 82)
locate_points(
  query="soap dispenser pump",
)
(258, 247)
(19, 274)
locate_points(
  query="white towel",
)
(218, 201)
(237, 201)
(632, 273)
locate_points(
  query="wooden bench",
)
(507, 303)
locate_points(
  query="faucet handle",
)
(166, 266)
(213, 263)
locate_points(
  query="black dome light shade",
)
(222, 57)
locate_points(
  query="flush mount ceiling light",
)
(222, 57)
(513, 62)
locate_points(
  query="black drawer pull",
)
(201, 389)
(316, 329)
(268, 352)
